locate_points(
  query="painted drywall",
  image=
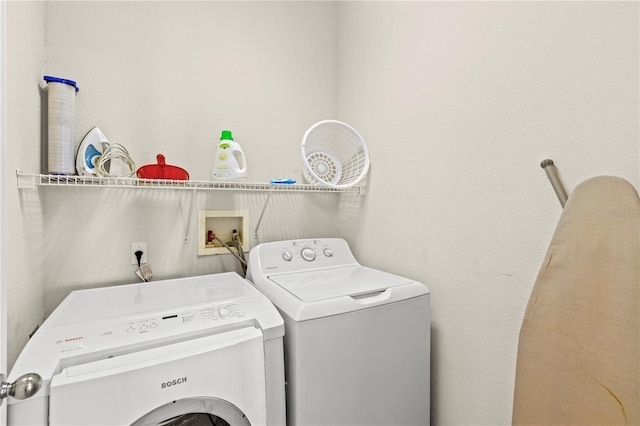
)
(168, 77)
(162, 77)
(3, 204)
(460, 102)
(25, 273)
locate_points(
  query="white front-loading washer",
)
(154, 353)
(357, 340)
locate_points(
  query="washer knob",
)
(287, 256)
(328, 252)
(308, 254)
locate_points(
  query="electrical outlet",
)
(142, 246)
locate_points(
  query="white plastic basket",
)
(334, 154)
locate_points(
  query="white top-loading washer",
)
(357, 340)
(144, 353)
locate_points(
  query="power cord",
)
(144, 272)
(115, 151)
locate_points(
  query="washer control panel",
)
(150, 327)
(307, 253)
(204, 315)
(299, 255)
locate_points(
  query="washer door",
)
(194, 375)
(195, 412)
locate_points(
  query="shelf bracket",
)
(264, 208)
(187, 226)
(25, 181)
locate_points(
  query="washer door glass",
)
(194, 412)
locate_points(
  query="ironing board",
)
(579, 348)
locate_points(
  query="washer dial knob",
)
(328, 252)
(287, 256)
(308, 254)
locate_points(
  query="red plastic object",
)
(162, 171)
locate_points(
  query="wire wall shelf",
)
(31, 181)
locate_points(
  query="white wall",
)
(460, 101)
(3, 204)
(168, 77)
(161, 77)
(25, 273)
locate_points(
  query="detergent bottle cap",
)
(226, 135)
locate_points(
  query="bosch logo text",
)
(173, 382)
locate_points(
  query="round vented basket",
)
(334, 154)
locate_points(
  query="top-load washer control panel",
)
(306, 253)
(302, 255)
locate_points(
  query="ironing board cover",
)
(579, 348)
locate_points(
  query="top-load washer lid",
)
(325, 284)
(325, 292)
(314, 278)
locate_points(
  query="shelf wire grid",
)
(26, 181)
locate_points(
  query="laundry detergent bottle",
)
(229, 162)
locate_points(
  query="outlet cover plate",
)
(142, 246)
